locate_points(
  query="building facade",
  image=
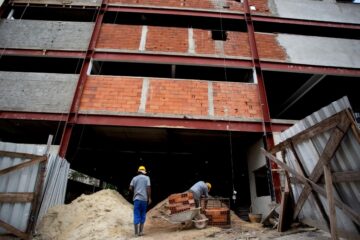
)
(191, 89)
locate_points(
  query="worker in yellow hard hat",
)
(200, 189)
(141, 187)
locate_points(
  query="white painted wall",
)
(256, 160)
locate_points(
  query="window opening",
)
(262, 182)
(219, 35)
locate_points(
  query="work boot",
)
(136, 227)
(141, 230)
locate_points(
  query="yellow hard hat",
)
(208, 185)
(142, 169)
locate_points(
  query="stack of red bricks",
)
(180, 202)
(218, 216)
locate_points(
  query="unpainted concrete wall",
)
(328, 11)
(322, 51)
(36, 92)
(32, 34)
(256, 160)
(62, 2)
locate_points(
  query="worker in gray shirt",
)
(141, 187)
(200, 189)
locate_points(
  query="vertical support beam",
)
(73, 113)
(40, 178)
(267, 138)
(3, 7)
(330, 198)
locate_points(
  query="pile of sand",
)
(102, 215)
(107, 215)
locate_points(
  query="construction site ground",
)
(107, 215)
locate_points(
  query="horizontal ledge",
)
(158, 122)
(44, 53)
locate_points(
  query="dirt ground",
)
(107, 215)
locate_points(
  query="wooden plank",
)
(318, 128)
(22, 165)
(16, 197)
(349, 176)
(354, 126)
(330, 198)
(306, 192)
(283, 224)
(13, 230)
(18, 155)
(337, 177)
(341, 205)
(328, 154)
(35, 205)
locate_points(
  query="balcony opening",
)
(172, 71)
(40, 64)
(51, 13)
(167, 20)
(307, 30)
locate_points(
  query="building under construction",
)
(191, 89)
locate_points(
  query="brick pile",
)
(179, 202)
(218, 216)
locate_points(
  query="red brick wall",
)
(236, 100)
(186, 97)
(171, 39)
(203, 42)
(268, 47)
(119, 36)
(237, 43)
(261, 6)
(171, 97)
(167, 39)
(113, 94)
(201, 4)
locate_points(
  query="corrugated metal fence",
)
(17, 215)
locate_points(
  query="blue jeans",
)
(140, 211)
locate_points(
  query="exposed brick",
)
(223, 5)
(119, 36)
(261, 6)
(203, 42)
(167, 39)
(113, 94)
(268, 47)
(237, 43)
(184, 97)
(173, 97)
(236, 100)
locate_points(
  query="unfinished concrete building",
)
(191, 89)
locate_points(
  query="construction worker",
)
(200, 189)
(140, 186)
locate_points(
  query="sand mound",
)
(102, 215)
(107, 215)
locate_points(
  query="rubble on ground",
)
(107, 215)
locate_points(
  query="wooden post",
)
(330, 197)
